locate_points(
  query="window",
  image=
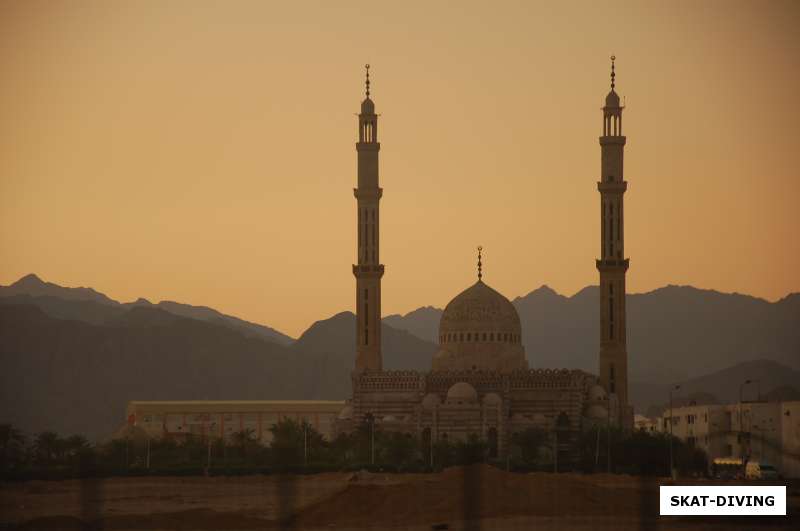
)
(469, 336)
(484, 336)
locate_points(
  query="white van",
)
(756, 470)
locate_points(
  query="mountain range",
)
(70, 358)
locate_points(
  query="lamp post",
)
(671, 454)
(741, 420)
(305, 442)
(370, 418)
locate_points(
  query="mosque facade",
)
(480, 383)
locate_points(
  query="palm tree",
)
(74, 445)
(12, 446)
(47, 446)
(243, 439)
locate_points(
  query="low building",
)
(767, 432)
(223, 418)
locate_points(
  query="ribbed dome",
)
(480, 330)
(612, 99)
(479, 308)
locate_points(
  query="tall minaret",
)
(369, 270)
(612, 264)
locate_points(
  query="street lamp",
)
(741, 420)
(370, 418)
(671, 455)
(305, 442)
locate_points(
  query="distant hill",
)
(86, 304)
(75, 377)
(773, 380)
(70, 358)
(72, 376)
(330, 345)
(674, 333)
(422, 322)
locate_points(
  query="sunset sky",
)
(204, 152)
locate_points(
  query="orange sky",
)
(204, 151)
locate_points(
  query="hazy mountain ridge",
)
(674, 333)
(71, 364)
(71, 376)
(768, 380)
(96, 307)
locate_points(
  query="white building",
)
(767, 432)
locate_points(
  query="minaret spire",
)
(480, 272)
(366, 67)
(613, 75)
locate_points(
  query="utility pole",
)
(741, 420)
(608, 438)
(431, 444)
(555, 451)
(671, 456)
(597, 450)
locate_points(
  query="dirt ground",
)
(463, 498)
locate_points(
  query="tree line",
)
(297, 447)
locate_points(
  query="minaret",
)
(612, 264)
(368, 271)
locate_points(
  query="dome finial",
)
(366, 66)
(480, 264)
(613, 75)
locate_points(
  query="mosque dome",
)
(612, 99)
(480, 330)
(462, 392)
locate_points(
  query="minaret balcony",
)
(368, 270)
(368, 193)
(613, 186)
(368, 146)
(612, 139)
(612, 264)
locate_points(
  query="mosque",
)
(479, 382)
